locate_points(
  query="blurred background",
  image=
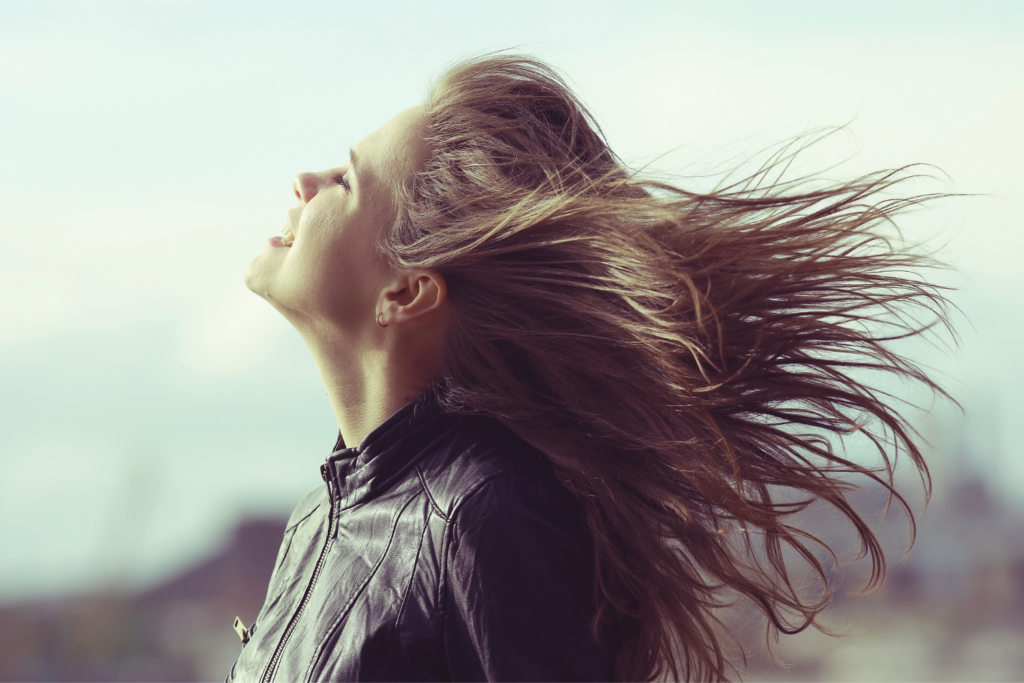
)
(158, 421)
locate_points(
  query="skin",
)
(331, 283)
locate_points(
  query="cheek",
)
(341, 278)
(336, 271)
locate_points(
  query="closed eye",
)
(340, 179)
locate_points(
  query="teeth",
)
(289, 237)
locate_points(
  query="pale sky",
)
(147, 151)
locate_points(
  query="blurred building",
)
(180, 630)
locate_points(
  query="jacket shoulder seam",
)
(430, 497)
(454, 499)
(303, 518)
(473, 490)
(448, 540)
(452, 523)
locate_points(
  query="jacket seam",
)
(430, 497)
(442, 578)
(449, 534)
(408, 586)
(473, 490)
(343, 614)
(303, 518)
(286, 546)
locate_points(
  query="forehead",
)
(395, 150)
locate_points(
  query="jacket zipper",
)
(276, 659)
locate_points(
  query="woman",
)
(582, 401)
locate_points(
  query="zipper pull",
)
(325, 475)
(241, 630)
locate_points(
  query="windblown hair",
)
(687, 360)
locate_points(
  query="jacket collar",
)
(385, 456)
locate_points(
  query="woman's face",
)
(331, 272)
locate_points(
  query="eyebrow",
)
(352, 160)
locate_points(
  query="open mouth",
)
(289, 236)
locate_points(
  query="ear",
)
(412, 296)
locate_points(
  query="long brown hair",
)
(687, 360)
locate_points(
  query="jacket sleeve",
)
(519, 597)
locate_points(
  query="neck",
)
(364, 385)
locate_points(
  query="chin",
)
(255, 278)
(250, 274)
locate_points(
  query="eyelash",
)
(342, 180)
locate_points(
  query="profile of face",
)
(331, 273)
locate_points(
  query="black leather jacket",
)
(442, 548)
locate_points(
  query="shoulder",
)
(483, 464)
(307, 506)
(518, 564)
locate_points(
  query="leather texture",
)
(442, 548)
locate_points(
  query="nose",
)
(306, 185)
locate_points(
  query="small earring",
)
(378, 319)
